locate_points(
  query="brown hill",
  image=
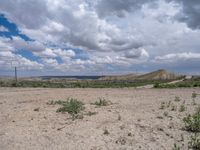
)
(156, 75)
(159, 74)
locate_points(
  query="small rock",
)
(36, 109)
(129, 134)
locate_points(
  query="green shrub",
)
(101, 102)
(194, 142)
(156, 85)
(194, 95)
(182, 108)
(176, 147)
(177, 99)
(192, 122)
(71, 106)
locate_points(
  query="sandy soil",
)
(133, 121)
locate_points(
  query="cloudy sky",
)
(95, 37)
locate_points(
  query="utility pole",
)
(15, 74)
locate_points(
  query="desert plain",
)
(134, 119)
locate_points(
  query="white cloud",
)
(9, 60)
(46, 53)
(178, 57)
(135, 54)
(110, 32)
(33, 46)
(3, 29)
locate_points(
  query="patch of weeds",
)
(194, 95)
(156, 85)
(184, 102)
(51, 102)
(165, 114)
(177, 99)
(174, 108)
(91, 113)
(194, 101)
(162, 105)
(72, 106)
(168, 104)
(182, 137)
(101, 102)
(182, 108)
(59, 102)
(176, 147)
(194, 142)
(192, 122)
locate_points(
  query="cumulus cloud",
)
(9, 60)
(83, 28)
(17, 43)
(134, 54)
(110, 32)
(3, 29)
(33, 46)
(179, 57)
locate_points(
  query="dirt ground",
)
(134, 120)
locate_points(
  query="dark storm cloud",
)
(30, 14)
(190, 12)
(119, 7)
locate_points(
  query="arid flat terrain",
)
(135, 120)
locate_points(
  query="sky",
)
(95, 37)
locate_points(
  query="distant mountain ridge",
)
(156, 75)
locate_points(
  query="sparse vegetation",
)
(168, 104)
(62, 83)
(165, 114)
(194, 102)
(176, 147)
(182, 84)
(101, 102)
(194, 95)
(182, 108)
(174, 108)
(162, 106)
(91, 113)
(156, 85)
(192, 122)
(194, 142)
(72, 106)
(177, 99)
